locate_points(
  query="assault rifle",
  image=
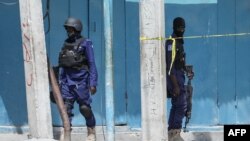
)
(189, 91)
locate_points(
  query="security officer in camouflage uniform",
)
(176, 79)
(78, 74)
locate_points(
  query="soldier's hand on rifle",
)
(190, 75)
(189, 72)
(92, 90)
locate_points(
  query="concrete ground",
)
(121, 134)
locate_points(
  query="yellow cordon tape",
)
(211, 36)
(194, 37)
(188, 37)
(156, 38)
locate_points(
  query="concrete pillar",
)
(153, 70)
(36, 70)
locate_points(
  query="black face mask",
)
(179, 26)
(179, 31)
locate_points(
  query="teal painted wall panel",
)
(242, 24)
(226, 62)
(13, 106)
(133, 64)
(119, 60)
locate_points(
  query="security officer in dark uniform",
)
(175, 59)
(78, 74)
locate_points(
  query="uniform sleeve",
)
(89, 53)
